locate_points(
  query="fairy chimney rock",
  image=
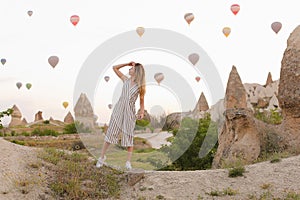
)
(83, 107)
(235, 96)
(289, 85)
(24, 121)
(69, 118)
(16, 117)
(289, 88)
(202, 104)
(269, 79)
(38, 116)
(84, 112)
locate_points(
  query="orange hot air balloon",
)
(193, 58)
(53, 60)
(159, 77)
(140, 31)
(106, 78)
(29, 13)
(189, 17)
(226, 31)
(197, 78)
(65, 104)
(74, 19)
(276, 26)
(109, 106)
(235, 8)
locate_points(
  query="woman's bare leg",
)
(129, 153)
(104, 149)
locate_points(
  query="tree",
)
(8, 112)
(187, 143)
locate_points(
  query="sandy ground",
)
(261, 179)
(19, 178)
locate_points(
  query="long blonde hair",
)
(140, 78)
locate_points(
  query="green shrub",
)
(236, 171)
(39, 132)
(46, 122)
(70, 129)
(187, 143)
(18, 142)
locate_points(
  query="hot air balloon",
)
(193, 58)
(159, 77)
(19, 85)
(140, 31)
(226, 31)
(197, 78)
(109, 106)
(189, 17)
(235, 8)
(65, 104)
(3, 61)
(276, 26)
(29, 13)
(28, 86)
(53, 60)
(74, 19)
(106, 78)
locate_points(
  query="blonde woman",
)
(123, 116)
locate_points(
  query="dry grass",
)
(76, 177)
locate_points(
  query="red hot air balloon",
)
(235, 8)
(74, 19)
(197, 78)
(276, 26)
(189, 17)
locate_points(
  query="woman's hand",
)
(131, 63)
(141, 115)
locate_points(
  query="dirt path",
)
(261, 179)
(20, 174)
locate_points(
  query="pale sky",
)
(27, 43)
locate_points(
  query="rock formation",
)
(202, 104)
(173, 121)
(16, 117)
(69, 118)
(235, 92)
(289, 90)
(269, 79)
(84, 112)
(24, 121)
(38, 116)
(239, 136)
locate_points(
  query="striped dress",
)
(123, 117)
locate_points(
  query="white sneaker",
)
(128, 165)
(101, 162)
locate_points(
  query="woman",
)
(123, 115)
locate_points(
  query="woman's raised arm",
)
(118, 72)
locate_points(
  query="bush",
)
(187, 143)
(38, 132)
(70, 129)
(236, 171)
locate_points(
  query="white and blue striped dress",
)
(123, 117)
